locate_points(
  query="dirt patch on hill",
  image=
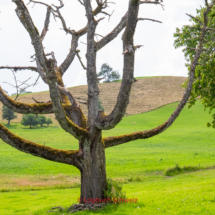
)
(146, 94)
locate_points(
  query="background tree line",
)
(27, 119)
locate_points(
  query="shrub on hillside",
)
(29, 120)
(8, 114)
(49, 121)
(41, 120)
(178, 170)
(114, 191)
(101, 107)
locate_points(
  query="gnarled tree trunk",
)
(93, 171)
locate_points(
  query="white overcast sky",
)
(158, 57)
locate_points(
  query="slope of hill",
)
(147, 94)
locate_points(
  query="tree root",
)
(83, 207)
(79, 207)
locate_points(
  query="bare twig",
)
(16, 68)
(195, 49)
(153, 20)
(19, 87)
(81, 2)
(193, 17)
(40, 102)
(153, 2)
(82, 64)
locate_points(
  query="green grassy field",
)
(139, 165)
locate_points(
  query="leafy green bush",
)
(41, 120)
(114, 190)
(101, 107)
(178, 170)
(8, 114)
(29, 120)
(49, 121)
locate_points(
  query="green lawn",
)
(139, 164)
(187, 194)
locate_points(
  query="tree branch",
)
(114, 141)
(62, 156)
(16, 68)
(193, 17)
(111, 36)
(108, 38)
(25, 19)
(73, 111)
(93, 90)
(153, 20)
(69, 126)
(107, 122)
(153, 2)
(75, 35)
(46, 25)
(70, 57)
(82, 64)
(24, 108)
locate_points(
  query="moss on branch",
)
(117, 140)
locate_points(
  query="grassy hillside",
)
(140, 165)
(147, 93)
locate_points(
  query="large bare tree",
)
(89, 158)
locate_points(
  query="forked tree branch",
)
(116, 31)
(25, 108)
(108, 38)
(69, 126)
(75, 34)
(108, 122)
(93, 90)
(73, 111)
(25, 18)
(70, 57)
(114, 141)
(58, 155)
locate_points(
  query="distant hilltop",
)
(147, 93)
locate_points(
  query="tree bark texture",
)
(93, 172)
(8, 123)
